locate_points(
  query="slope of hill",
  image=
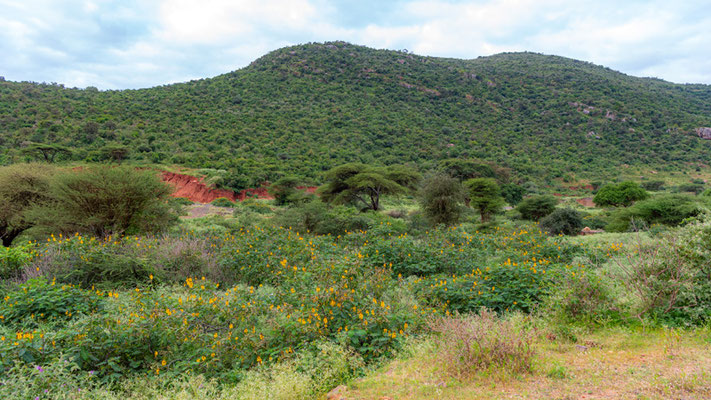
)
(304, 109)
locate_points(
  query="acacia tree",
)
(623, 194)
(22, 186)
(485, 196)
(362, 184)
(45, 152)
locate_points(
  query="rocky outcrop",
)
(704, 133)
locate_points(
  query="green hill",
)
(304, 109)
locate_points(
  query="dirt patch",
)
(586, 202)
(195, 189)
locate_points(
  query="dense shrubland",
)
(302, 109)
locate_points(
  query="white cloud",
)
(140, 43)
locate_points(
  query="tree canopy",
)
(363, 185)
(484, 196)
(622, 194)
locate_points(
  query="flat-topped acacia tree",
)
(362, 184)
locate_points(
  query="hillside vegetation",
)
(303, 109)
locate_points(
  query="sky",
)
(129, 44)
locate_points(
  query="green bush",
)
(39, 300)
(536, 207)
(103, 201)
(582, 296)
(622, 194)
(564, 221)
(223, 202)
(653, 186)
(441, 199)
(512, 193)
(670, 210)
(319, 218)
(13, 259)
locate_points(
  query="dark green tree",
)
(361, 184)
(536, 207)
(512, 193)
(441, 198)
(484, 196)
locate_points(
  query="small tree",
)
(22, 186)
(362, 184)
(104, 201)
(623, 194)
(45, 152)
(536, 207)
(485, 196)
(284, 190)
(441, 198)
(564, 221)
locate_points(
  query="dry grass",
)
(606, 365)
(481, 342)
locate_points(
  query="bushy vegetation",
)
(562, 221)
(669, 209)
(97, 200)
(622, 194)
(536, 207)
(350, 103)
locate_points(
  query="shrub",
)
(38, 300)
(441, 198)
(694, 188)
(105, 201)
(12, 259)
(670, 210)
(622, 194)
(321, 219)
(223, 202)
(468, 344)
(22, 186)
(564, 221)
(653, 186)
(536, 207)
(583, 297)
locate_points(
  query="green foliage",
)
(22, 186)
(355, 104)
(484, 196)
(536, 207)
(105, 201)
(362, 185)
(13, 259)
(37, 301)
(622, 194)
(441, 198)
(319, 218)
(565, 221)
(670, 210)
(653, 186)
(46, 152)
(512, 193)
(223, 202)
(285, 192)
(695, 188)
(464, 169)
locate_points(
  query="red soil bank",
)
(194, 189)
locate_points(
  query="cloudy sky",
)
(142, 43)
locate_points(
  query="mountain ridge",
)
(302, 109)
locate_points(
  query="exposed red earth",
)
(195, 189)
